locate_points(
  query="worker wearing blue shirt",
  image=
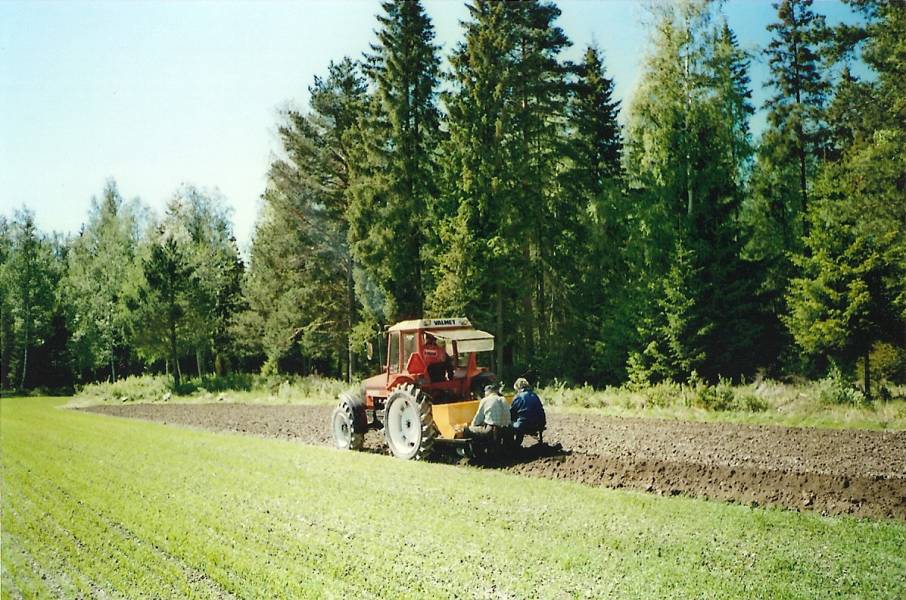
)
(526, 411)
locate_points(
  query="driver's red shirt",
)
(434, 354)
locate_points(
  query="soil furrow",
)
(861, 473)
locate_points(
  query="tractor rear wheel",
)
(348, 422)
(408, 423)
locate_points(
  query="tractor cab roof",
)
(431, 324)
(447, 331)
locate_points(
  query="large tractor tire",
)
(348, 422)
(408, 423)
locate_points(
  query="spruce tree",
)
(851, 289)
(479, 238)
(507, 246)
(688, 147)
(394, 192)
(788, 157)
(596, 139)
(800, 90)
(549, 222)
(595, 179)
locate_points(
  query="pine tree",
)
(229, 303)
(165, 299)
(185, 297)
(300, 284)
(395, 190)
(166, 317)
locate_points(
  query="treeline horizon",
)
(675, 247)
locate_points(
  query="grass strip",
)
(95, 504)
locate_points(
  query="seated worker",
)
(493, 414)
(437, 362)
(527, 411)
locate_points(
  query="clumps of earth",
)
(832, 472)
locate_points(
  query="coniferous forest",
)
(599, 241)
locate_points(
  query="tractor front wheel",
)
(347, 422)
(408, 423)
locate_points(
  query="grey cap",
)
(490, 388)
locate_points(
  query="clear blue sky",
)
(155, 94)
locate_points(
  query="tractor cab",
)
(437, 355)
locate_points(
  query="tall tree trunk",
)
(342, 355)
(173, 353)
(350, 315)
(499, 327)
(528, 297)
(198, 361)
(802, 180)
(686, 141)
(26, 333)
(24, 364)
(867, 374)
(6, 332)
(541, 313)
(113, 360)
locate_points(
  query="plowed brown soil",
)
(829, 471)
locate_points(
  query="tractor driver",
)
(437, 361)
(493, 414)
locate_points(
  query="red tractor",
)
(430, 385)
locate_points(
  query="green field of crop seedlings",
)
(100, 506)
